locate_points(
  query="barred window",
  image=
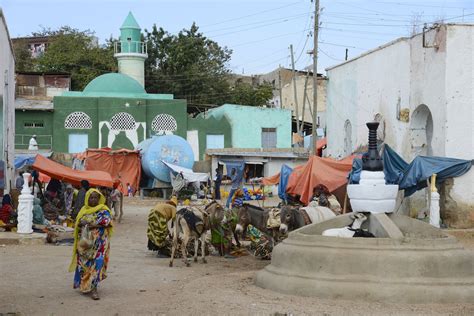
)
(78, 120)
(122, 122)
(164, 123)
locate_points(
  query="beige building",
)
(288, 98)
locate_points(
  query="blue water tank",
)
(169, 148)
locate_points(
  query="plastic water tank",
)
(169, 148)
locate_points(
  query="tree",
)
(247, 94)
(77, 53)
(189, 65)
(23, 59)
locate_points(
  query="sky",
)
(259, 32)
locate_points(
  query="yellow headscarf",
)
(86, 210)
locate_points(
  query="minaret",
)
(131, 52)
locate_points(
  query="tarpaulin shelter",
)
(24, 160)
(188, 174)
(412, 177)
(63, 173)
(327, 171)
(123, 165)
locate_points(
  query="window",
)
(214, 141)
(122, 122)
(269, 138)
(78, 120)
(164, 123)
(33, 124)
(253, 170)
(78, 143)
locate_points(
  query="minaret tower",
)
(130, 51)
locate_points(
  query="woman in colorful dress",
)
(91, 254)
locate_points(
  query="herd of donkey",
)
(192, 223)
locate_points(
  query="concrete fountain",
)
(408, 261)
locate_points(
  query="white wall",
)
(7, 71)
(359, 89)
(460, 105)
(406, 73)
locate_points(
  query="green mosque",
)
(114, 110)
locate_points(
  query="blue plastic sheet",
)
(421, 168)
(24, 160)
(412, 177)
(284, 176)
(238, 165)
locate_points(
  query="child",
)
(129, 190)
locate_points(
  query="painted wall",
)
(210, 126)
(23, 133)
(288, 96)
(102, 109)
(247, 123)
(7, 106)
(438, 79)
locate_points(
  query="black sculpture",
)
(372, 161)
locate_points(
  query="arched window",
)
(78, 120)
(122, 122)
(381, 130)
(164, 123)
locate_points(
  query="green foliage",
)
(247, 94)
(78, 53)
(189, 65)
(23, 59)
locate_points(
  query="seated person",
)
(7, 214)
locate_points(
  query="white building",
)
(421, 90)
(7, 105)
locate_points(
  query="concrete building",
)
(421, 90)
(256, 127)
(7, 113)
(34, 106)
(288, 96)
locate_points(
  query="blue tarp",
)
(412, 177)
(24, 160)
(284, 176)
(421, 168)
(238, 165)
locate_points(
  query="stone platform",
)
(409, 261)
(12, 238)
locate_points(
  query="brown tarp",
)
(123, 164)
(332, 173)
(63, 173)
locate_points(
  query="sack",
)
(86, 243)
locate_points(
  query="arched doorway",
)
(347, 138)
(421, 131)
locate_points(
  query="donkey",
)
(249, 214)
(354, 230)
(194, 224)
(219, 218)
(292, 217)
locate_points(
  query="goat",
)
(194, 223)
(354, 230)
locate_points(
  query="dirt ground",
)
(35, 281)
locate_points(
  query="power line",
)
(253, 14)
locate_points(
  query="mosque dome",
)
(115, 83)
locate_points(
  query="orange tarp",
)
(63, 173)
(276, 178)
(332, 173)
(123, 164)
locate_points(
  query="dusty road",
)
(34, 281)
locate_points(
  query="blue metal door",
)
(78, 143)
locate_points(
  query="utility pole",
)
(315, 77)
(279, 84)
(347, 53)
(296, 95)
(305, 96)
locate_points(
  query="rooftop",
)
(261, 152)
